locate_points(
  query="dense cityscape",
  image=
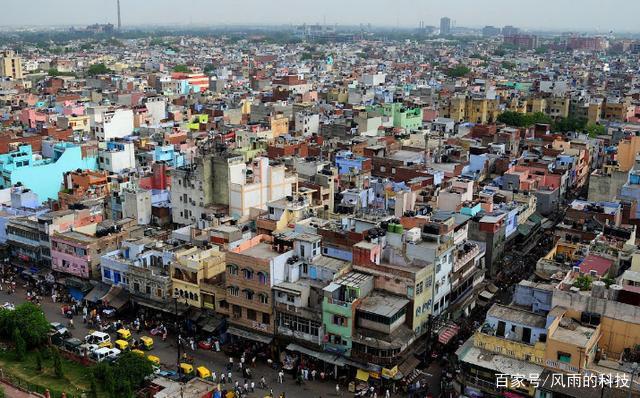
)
(318, 209)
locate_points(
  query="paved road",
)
(215, 361)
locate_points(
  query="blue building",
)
(43, 175)
(346, 162)
(168, 154)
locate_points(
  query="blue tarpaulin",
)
(76, 293)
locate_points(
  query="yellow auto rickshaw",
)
(138, 352)
(154, 359)
(146, 342)
(203, 372)
(122, 345)
(124, 334)
(185, 369)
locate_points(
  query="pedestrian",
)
(387, 394)
(193, 344)
(216, 343)
(337, 389)
(313, 375)
(229, 377)
(246, 385)
(253, 361)
(214, 376)
(222, 378)
(280, 376)
(237, 384)
(305, 373)
(263, 382)
(253, 386)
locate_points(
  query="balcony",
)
(463, 257)
(337, 307)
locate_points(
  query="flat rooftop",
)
(382, 304)
(517, 315)
(571, 332)
(260, 250)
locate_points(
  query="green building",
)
(341, 299)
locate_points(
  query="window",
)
(233, 291)
(419, 289)
(410, 291)
(263, 278)
(290, 298)
(564, 357)
(251, 314)
(248, 294)
(232, 269)
(263, 298)
(106, 272)
(339, 320)
(248, 273)
(266, 319)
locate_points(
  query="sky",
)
(561, 15)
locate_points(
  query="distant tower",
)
(445, 26)
(119, 20)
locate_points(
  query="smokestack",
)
(119, 20)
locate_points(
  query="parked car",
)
(100, 338)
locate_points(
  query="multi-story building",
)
(117, 156)
(254, 267)
(11, 65)
(192, 266)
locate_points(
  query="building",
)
(445, 26)
(10, 65)
(117, 156)
(522, 41)
(191, 267)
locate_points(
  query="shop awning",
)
(245, 334)
(97, 293)
(408, 365)
(447, 333)
(362, 375)
(76, 293)
(209, 324)
(116, 297)
(323, 356)
(168, 307)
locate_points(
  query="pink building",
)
(70, 254)
(31, 117)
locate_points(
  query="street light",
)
(634, 370)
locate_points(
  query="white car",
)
(104, 353)
(9, 306)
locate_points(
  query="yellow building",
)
(10, 65)
(279, 125)
(628, 149)
(617, 110)
(594, 111)
(475, 110)
(558, 107)
(536, 105)
(192, 267)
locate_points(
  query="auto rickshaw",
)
(138, 352)
(203, 372)
(146, 342)
(154, 359)
(185, 369)
(124, 334)
(121, 345)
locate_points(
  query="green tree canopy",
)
(458, 71)
(594, 130)
(29, 320)
(181, 68)
(517, 119)
(129, 372)
(98, 69)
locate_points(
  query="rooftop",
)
(517, 315)
(383, 304)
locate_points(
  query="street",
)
(215, 361)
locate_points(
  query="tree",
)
(32, 323)
(458, 71)
(569, 124)
(39, 365)
(2, 393)
(508, 65)
(93, 392)
(517, 119)
(20, 345)
(594, 130)
(98, 69)
(53, 72)
(57, 364)
(583, 282)
(181, 69)
(131, 369)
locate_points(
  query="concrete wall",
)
(605, 188)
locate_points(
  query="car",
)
(104, 354)
(9, 306)
(100, 338)
(59, 328)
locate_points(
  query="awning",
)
(448, 333)
(116, 297)
(408, 365)
(168, 307)
(245, 334)
(362, 375)
(97, 293)
(209, 324)
(76, 293)
(323, 356)
(195, 315)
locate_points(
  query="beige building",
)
(192, 267)
(10, 65)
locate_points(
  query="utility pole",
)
(177, 331)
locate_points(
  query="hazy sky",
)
(601, 15)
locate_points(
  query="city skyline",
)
(593, 15)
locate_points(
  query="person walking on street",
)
(280, 377)
(222, 378)
(229, 377)
(337, 389)
(387, 394)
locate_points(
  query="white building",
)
(109, 124)
(307, 123)
(373, 79)
(156, 109)
(253, 185)
(136, 204)
(116, 156)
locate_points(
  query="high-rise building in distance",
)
(10, 65)
(445, 26)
